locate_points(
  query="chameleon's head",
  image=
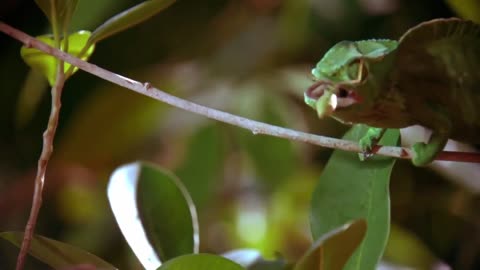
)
(342, 73)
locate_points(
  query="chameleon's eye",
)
(358, 71)
(346, 97)
(343, 93)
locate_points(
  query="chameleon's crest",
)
(346, 52)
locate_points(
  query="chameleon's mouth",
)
(325, 98)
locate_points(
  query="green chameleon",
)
(430, 77)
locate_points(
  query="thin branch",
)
(254, 126)
(47, 149)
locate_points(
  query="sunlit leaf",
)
(56, 254)
(251, 259)
(350, 189)
(333, 249)
(129, 18)
(58, 12)
(154, 212)
(200, 262)
(47, 64)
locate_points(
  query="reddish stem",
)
(47, 150)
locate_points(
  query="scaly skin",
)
(429, 77)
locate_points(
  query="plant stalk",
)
(47, 149)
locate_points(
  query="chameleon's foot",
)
(366, 144)
(422, 155)
(369, 141)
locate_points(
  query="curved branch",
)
(254, 126)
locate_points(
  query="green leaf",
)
(467, 9)
(30, 95)
(56, 254)
(167, 212)
(203, 162)
(402, 244)
(47, 64)
(333, 249)
(350, 189)
(168, 225)
(134, 116)
(251, 259)
(129, 18)
(59, 13)
(200, 262)
(274, 158)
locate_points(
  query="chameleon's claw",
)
(364, 155)
(366, 144)
(420, 155)
(369, 141)
(424, 153)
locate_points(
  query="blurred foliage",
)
(247, 57)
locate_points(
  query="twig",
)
(47, 150)
(254, 126)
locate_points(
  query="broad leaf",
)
(200, 262)
(47, 64)
(167, 213)
(350, 189)
(154, 212)
(129, 18)
(334, 249)
(56, 254)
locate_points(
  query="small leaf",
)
(58, 12)
(200, 262)
(154, 212)
(129, 18)
(350, 189)
(333, 249)
(47, 64)
(56, 254)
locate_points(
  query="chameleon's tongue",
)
(326, 104)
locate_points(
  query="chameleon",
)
(429, 77)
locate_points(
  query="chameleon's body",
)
(430, 77)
